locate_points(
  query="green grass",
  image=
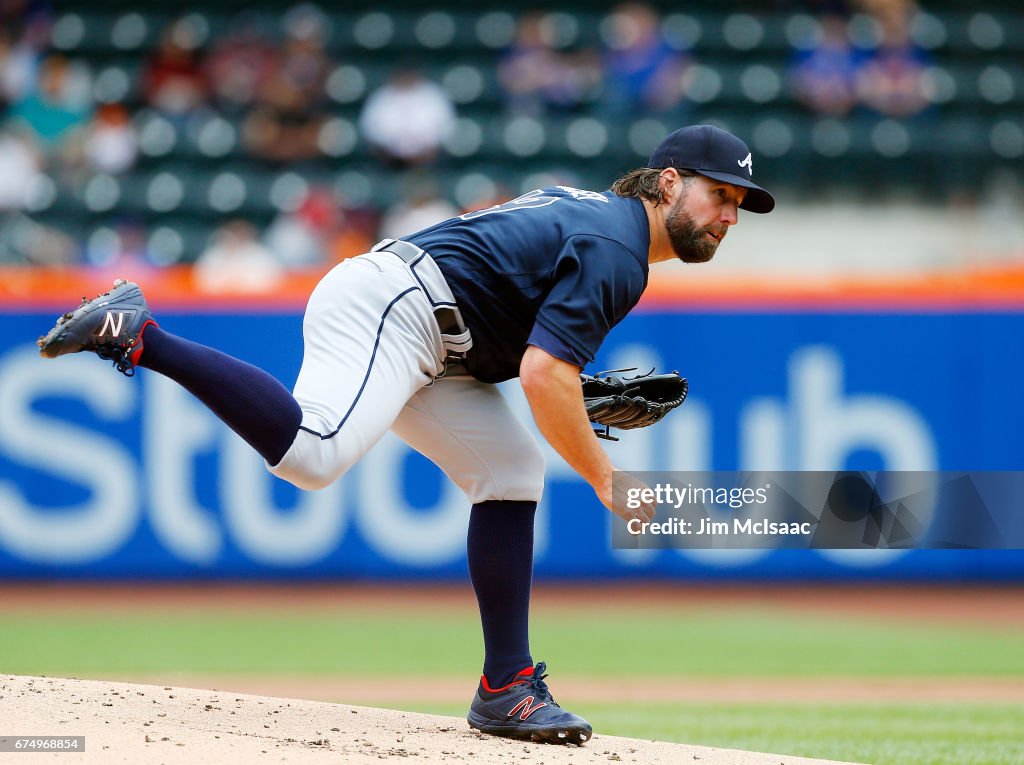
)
(915, 734)
(702, 644)
(933, 734)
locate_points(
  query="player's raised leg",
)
(370, 342)
(118, 326)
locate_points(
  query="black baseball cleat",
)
(525, 709)
(110, 325)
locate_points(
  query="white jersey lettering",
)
(590, 196)
(527, 201)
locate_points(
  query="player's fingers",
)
(645, 512)
(629, 498)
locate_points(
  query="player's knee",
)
(304, 476)
(519, 475)
(528, 488)
(310, 481)
(308, 465)
(526, 481)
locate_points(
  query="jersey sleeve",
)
(597, 282)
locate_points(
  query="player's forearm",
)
(552, 387)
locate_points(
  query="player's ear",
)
(666, 180)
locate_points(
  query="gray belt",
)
(456, 338)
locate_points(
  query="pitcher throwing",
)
(413, 336)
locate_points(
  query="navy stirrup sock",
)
(249, 401)
(500, 554)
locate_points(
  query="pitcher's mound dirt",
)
(124, 722)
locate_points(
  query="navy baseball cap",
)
(713, 152)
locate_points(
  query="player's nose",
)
(730, 214)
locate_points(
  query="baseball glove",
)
(631, 402)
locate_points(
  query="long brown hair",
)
(642, 183)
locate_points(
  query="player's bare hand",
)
(623, 495)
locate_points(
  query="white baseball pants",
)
(373, 360)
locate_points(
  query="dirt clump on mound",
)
(129, 723)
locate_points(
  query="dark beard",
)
(688, 242)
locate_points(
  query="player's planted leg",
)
(499, 550)
(512, 699)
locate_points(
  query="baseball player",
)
(413, 335)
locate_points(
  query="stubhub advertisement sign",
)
(104, 477)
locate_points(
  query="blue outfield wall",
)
(107, 477)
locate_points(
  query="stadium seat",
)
(465, 83)
(132, 31)
(495, 30)
(435, 30)
(986, 32)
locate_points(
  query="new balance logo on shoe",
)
(527, 706)
(534, 713)
(114, 325)
(110, 325)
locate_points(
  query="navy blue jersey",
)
(556, 268)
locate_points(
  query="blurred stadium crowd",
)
(256, 139)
